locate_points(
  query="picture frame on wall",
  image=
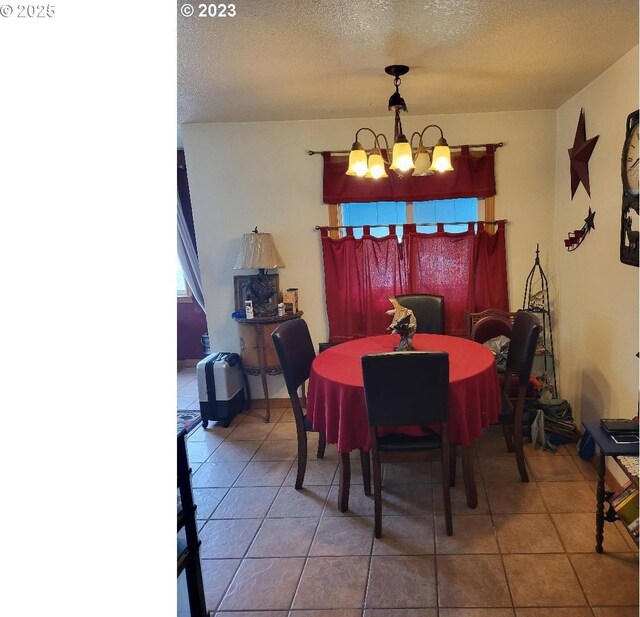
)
(241, 287)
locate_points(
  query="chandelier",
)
(402, 160)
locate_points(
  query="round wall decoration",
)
(630, 188)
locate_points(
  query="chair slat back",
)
(406, 388)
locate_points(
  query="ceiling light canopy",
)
(402, 160)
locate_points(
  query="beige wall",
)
(596, 317)
(247, 174)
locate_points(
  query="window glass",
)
(181, 284)
(377, 213)
(441, 210)
(396, 213)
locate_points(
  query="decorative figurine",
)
(403, 323)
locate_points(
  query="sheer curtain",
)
(189, 258)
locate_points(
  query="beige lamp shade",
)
(423, 162)
(357, 160)
(376, 166)
(402, 155)
(258, 252)
(441, 159)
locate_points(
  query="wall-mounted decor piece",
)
(576, 237)
(579, 156)
(630, 188)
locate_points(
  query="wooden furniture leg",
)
(377, 490)
(469, 477)
(445, 462)
(366, 471)
(600, 504)
(453, 459)
(263, 373)
(345, 481)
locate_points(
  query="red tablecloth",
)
(336, 404)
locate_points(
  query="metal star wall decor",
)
(576, 237)
(579, 156)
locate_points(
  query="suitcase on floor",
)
(221, 387)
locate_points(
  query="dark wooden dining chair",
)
(428, 310)
(522, 350)
(489, 324)
(404, 389)
(294, 347)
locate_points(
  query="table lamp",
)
(259, 252)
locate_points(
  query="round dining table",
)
(336, 404)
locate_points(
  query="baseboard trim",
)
(187, 363)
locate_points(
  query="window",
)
(378, 213)
(399, 212)
(444, 210)
(182, 289)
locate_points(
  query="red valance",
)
(473, 176)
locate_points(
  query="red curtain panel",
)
(360, 275)
(491, 288)
(443, 263)
(469, 269)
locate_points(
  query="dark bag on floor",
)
(499, 347)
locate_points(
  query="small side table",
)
(257, 353)
(606, 447)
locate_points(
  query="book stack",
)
(625, 504)
(622, 430)
(620, 425)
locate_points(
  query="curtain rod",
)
(318, 227)
(500, 144)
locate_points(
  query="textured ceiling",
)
(311, 59)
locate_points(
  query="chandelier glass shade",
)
(402, 158)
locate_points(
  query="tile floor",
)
(271, 551)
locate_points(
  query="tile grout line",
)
(434, 487)
(306, 558)
(224, 593)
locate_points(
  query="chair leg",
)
(377, 493)
(446, 489)
(508, 436)
(322, 444)
(302, 458)
(519, 450)
(453, 459)
(345, 482)
(469, 477)
(366, 471)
